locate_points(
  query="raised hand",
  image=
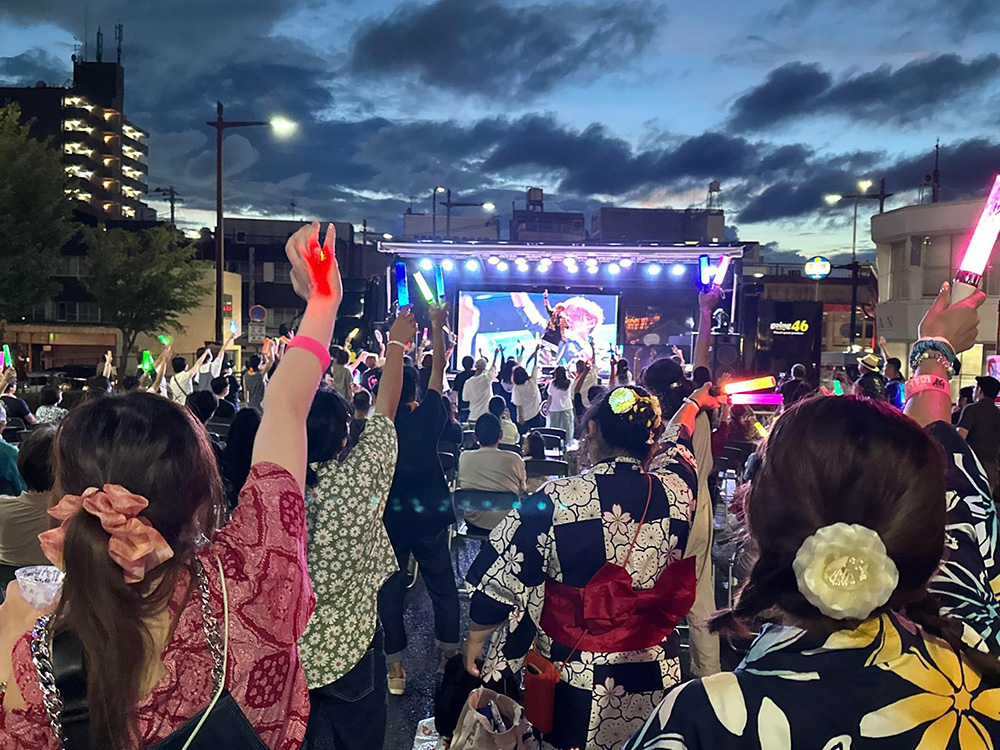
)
(957, 323)
(314, 266)
(404, 328)
(439, 316)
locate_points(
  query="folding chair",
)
(476, 500)
(450, 467)
(547, 467)
(469, 441)
(558, 432)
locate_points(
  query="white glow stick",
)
(720, 274)
(977, 255)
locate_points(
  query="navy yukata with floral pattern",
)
(568, 531)
(887, 685)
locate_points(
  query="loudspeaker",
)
(727, 355)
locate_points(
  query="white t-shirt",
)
(589, 381)
(478, 390)
(181, 386)
(527, 398)
(562, 399)
(510, 434)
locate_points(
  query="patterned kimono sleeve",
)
(675, 459)
(683, 721)
(969, 578)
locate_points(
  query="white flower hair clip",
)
(843, 570)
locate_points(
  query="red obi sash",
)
(609, 616)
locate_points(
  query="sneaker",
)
(397, 685)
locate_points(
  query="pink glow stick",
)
(745, 386)
(756, 399)
(720, 275)
(977, 255)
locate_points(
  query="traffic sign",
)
(818, 267)
(258, 314)
(256, 333)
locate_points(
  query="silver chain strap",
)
(41, 638)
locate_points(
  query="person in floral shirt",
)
(349, 557)
(849, 509)
(567, 535)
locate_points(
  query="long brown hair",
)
(153, 448)
(856, 461)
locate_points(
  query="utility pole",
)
(172, 198)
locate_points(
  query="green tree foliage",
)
(35, 217)
(144, 281)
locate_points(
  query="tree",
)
(144, 281)
(35, 217)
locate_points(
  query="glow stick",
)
(745, 386)
(234, 327)
(147, 361)
(760, 429)
(756, 399)
(826, 391)
(838, 389)
(720, 275)
(704, 271)
(977, 254)
(424, 288)
(439, 283)
(402, 286)
(353, 333)
(3, 359)
(165, 340)
(7, 357)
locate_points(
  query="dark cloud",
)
(492, 48)
(32, 66)
(959, 18)
(900, 96)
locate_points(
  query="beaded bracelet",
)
(935, 348)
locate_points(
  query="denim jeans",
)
(431, 553)
(353, 709)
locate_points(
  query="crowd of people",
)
(237, 551)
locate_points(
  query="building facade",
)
(102, 151)
(919, 248)
(658, 225)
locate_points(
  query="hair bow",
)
(134, 545)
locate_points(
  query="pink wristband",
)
(921, 383)
(313, 347)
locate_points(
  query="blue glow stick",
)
(402, 286)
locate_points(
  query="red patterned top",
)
(263, 554)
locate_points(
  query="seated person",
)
(203, 405)
(17, 407)
(452, 429)
(24, 517)
(50, 412)
(225, 410)
(489, 468)
(534, 447)
(509, 434)
(10, 481)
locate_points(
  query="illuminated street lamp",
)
(282, 128)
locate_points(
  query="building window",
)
(899, 271)
(72, 265)
(937, 263)
(89, 312)
(66, 311)
(282, 273)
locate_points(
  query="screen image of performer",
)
(566, 327)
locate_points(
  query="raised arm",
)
(161, 369)
(534, 360)
(958, 324)
(218, 361)
(700, 400)
(707, 302)
(439, 317)
(107, 363)
(281, 438)
(402, 332)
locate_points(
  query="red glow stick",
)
(720, 275)
(320, 258)
(977, 255)
(756, 399)
(826, 391)
(745, 386)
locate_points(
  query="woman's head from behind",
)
(155, 449)
(238, 454)
(534, 445)
(327, 427)
(665, 379)
(867, 465)
(625, 422)
(520, 376)
(560, 378)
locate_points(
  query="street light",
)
(283, 127)
(434, 209)
(448, 203)
(831, 200)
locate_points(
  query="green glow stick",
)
(165, 340)
(424, 287)
(147, 361)
(838, 390)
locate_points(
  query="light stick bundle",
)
(756, 399)
(706, 278)
(403, 289)
(977, 255)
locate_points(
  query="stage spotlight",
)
(653, 269)
(502, 265)
(493, 260)
(447, 264)
(574, 268)
(614, 269)
(677, 269)
(545, 262)
(544, 267)
(426, 265)
(522, 267)
(592, 263)
(625, 263)
(593, 269)
(569, 260)
(521, 261)
(472, 264)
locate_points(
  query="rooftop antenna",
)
(86, 29)
(119, 34)
(936, 177)
(100, 45)
(295, 216)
